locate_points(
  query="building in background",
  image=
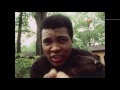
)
(99, 51)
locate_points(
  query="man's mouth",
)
(56, 58)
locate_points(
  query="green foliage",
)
(22, 66)
(90, 36)
(29, 48)
(25, 17)
(26, 31)
(53, 13)
(101, 15)
(79, 44)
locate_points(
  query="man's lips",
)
(56, 58)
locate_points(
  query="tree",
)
(38, 17)
(21, 27)
(89, 29)
(19, 33)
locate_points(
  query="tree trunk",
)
(19, 33)
(38, 17)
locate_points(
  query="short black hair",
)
(57, 21)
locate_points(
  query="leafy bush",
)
(29, 48)
(22, 67)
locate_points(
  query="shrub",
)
(22, 67)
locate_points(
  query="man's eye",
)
(63, 40)
(47, 42)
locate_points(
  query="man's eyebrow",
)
(62, 37)
(46, 39)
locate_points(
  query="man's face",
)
(56, 45)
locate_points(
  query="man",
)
(57, 35)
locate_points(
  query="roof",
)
(97, 47)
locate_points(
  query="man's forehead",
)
(53, 31)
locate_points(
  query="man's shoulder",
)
(38, 68)
(81, 52)
(40, 61)
(42, 57)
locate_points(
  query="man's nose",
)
(55, 47)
